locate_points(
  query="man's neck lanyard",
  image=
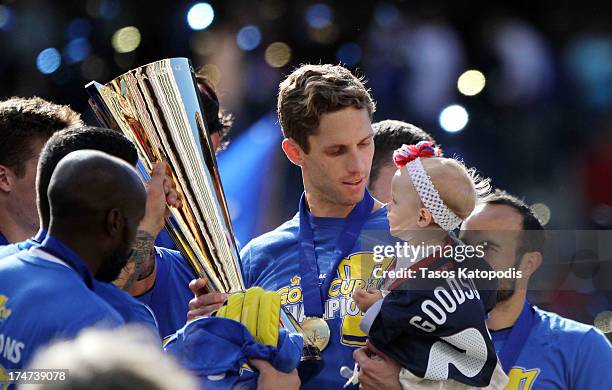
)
(517, 338)
(315, 294)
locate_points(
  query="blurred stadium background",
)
(522, 92)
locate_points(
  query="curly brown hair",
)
(313, 90)
(26, 120)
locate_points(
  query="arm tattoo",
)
(142, 250)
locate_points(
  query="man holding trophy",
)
(316, 259)
(161, 109)
(158, 275)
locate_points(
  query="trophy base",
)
(311, 363)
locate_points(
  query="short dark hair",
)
(390, 135)
(67, 141)
(311, 91)
(533, 237)
(24, 121)
(217, 119)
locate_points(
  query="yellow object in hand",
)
(257, 310)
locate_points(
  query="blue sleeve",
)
(593, 362)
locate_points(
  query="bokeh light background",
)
(522, 92)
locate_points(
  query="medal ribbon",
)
(60, 250)
(517, 338)
(313, 293)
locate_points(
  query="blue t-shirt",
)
(3, 240)
(559, 354)
(271, 261)
(131, 310)
(163, 240)
(42, 300)
(170, 295)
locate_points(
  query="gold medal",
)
(603, 321)
(317, 331)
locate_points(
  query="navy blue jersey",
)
(433, 324)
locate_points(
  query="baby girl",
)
(432, 322)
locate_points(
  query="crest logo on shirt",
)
(4, 311)
(295, 281)
(521, 379)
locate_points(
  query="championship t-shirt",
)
(559, 353)
(272, 262)
(42, 299)
(170, 295)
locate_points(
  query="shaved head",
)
(88, 181)
(96, 202)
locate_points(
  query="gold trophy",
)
(157, 106)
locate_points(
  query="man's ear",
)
(425, 217)
(114, 223)
(6, 179)
(530, 262)
(293, 151)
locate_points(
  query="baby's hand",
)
(364, 299)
